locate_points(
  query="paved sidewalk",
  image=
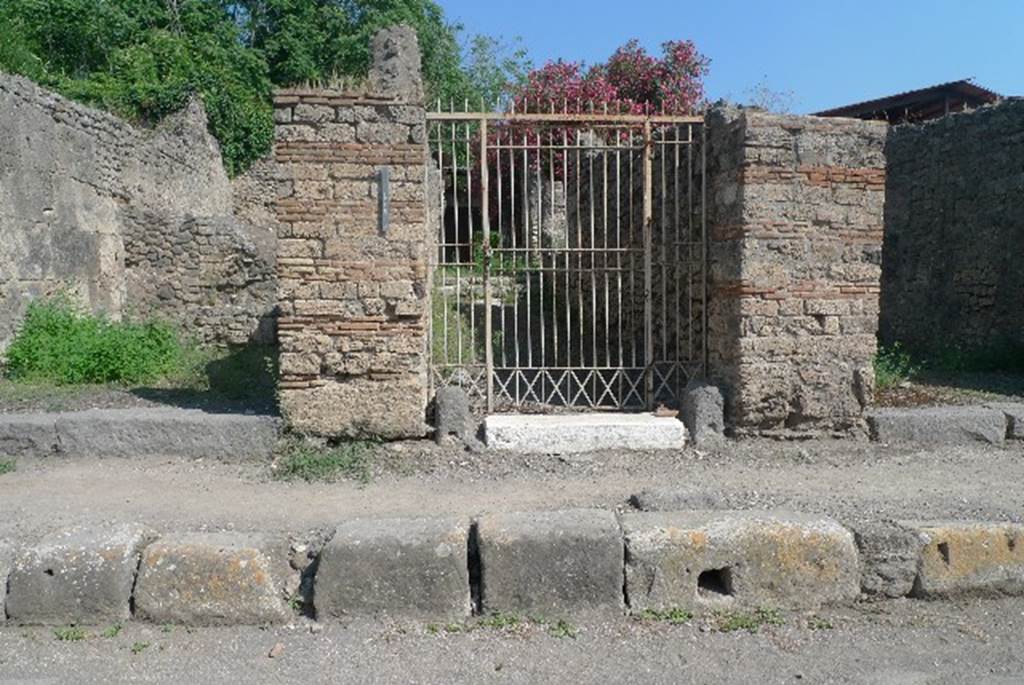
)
(837, 478)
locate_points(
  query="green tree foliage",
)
(143, 59)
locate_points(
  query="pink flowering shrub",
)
(631, 81)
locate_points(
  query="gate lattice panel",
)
(570, 268)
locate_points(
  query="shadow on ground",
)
(244, 380)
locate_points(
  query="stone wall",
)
(353, 295)
(954, 232)
(91, 204)
(795, 221)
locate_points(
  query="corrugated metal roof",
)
(965, 87)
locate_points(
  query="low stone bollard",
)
(406, 567)
(213, 579)
(702, 410)
(970, 558)
(695, 560)
(551, 563)
(79, 576)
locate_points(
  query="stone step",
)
(565, 433)
(139, 432)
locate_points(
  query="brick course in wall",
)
(353, 298)
(795, 222)
(954, 233)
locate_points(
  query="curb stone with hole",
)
(554, 563)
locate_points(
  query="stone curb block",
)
(1014, 413)
(7, 554)
(28, 435)
(889, 556)
(78, 576)
(213, 579)
(550, 563)
(696, 560)
(938, 425)
(165, 432)
(970, 558)
(409, 567)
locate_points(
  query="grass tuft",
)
(674, 616)
(301, 460)
(69, 634)
(562, 629)
(112, 632)
(59, 343)
(499, 621)
(727, 622)
(8, 466)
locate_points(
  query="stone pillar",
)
(795, 215)
(354, 290)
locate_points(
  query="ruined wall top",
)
(396, 68)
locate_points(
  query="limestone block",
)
(398, 567)
(550, 563)
(970, 558)
(698, 560)
(567, 433)
(213, 579)
(83, 576)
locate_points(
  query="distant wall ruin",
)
(133, 222)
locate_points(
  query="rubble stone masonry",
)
(353, 294)
(795, 219)
(954, 233)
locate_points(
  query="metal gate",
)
(570, 269)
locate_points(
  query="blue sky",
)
(827, 53)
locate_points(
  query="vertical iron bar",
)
(647, 227)
(485, 219)
(704, 248)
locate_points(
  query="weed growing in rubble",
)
(69, 634)
(729, 621)
(562, 629)
(7, 466)
(112, 632)
(301, 460)
(674, 616)
(893, 365)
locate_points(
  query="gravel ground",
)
(900, 642)
(844, 479)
